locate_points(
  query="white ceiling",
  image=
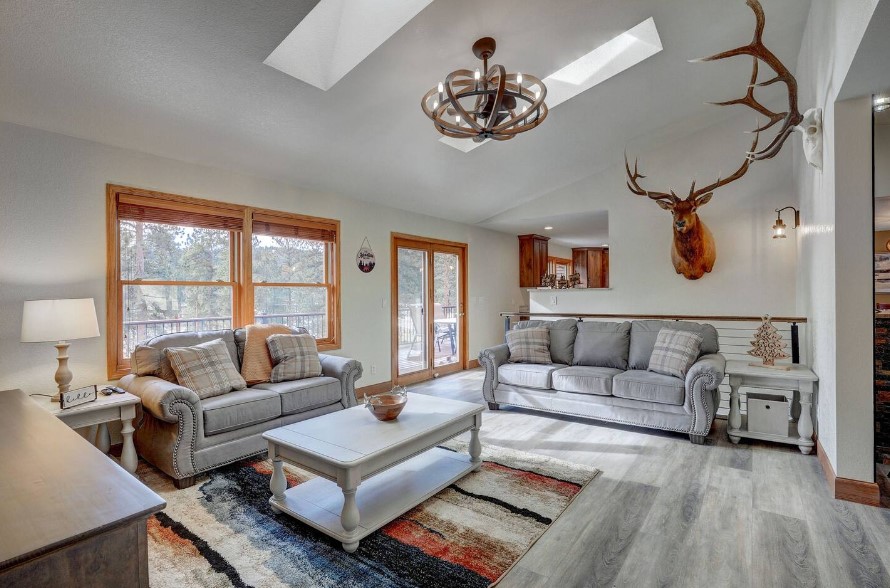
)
(187, 80)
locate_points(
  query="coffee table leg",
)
(278, 484)
(349, 516)
(475, 445)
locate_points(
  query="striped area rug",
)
(222, 531)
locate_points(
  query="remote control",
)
(109, 390)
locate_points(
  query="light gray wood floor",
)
(665, 512)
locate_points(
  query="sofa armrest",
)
(702, 381)
(344, 369)
(161, 398)
(491, 359)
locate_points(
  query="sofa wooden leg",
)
(493, 406)
(183, 483)
(697, 439)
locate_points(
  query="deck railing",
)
(136, 332)
(406, 323)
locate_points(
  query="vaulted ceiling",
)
(186, 79)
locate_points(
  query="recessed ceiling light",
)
(605, 245)
(609, 59)
(548, 228)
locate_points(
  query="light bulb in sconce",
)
(780, 229)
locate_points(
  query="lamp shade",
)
(59, 320)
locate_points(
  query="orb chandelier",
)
(487, 103)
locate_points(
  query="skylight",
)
(337, 35)
(609, 59)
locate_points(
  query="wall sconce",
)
(779, 229)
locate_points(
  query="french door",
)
(429, 322)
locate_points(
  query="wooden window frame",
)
(241, 268)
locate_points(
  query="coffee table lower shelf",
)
(380, 499)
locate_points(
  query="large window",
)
(182, 264)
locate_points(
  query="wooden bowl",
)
(386, 406)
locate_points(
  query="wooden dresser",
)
(69, 516)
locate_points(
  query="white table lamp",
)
(59, 320)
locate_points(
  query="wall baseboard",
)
(846, 488)
(473, 364)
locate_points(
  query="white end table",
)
(105, 409)
(799, 378)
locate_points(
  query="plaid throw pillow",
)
(206, 368)
(530, 345)
(294, 357)
(674, 352)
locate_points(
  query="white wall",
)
(52, 245)
(556, 250)
(836, 218)
(754, 273)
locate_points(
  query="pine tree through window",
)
(178, 264)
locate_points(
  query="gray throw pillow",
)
(562, 337)
(674, 352)
(531, 345)
(207, 368)
(294, 357)
(644, 333)
(601, 344)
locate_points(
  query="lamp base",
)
(63, 374)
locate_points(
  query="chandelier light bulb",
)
(519, 78)
(537, 95)
(435, 104)
(478, 74)
(441, 88)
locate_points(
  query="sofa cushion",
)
(601, 344)
(585, 380)
(531, 345)
(562, 337)
(302, 395)
(650, 387)
(151, 361)
(644, 333)
(240, 409)
(206, 369)
(675, 352)
(528, 375)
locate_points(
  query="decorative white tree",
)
(767, 343)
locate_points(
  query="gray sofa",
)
(600, 372)
(183, 435)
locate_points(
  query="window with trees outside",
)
(179, 264)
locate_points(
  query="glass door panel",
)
(446, 309)
(412, 301)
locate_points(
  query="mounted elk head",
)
(694, 251)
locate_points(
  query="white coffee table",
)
(397, 464)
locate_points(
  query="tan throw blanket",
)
(256, 367)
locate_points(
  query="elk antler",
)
(634, 186)
(756, 49)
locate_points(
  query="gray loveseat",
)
(184, 435)
(600, 372)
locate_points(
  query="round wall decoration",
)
(365, 258)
